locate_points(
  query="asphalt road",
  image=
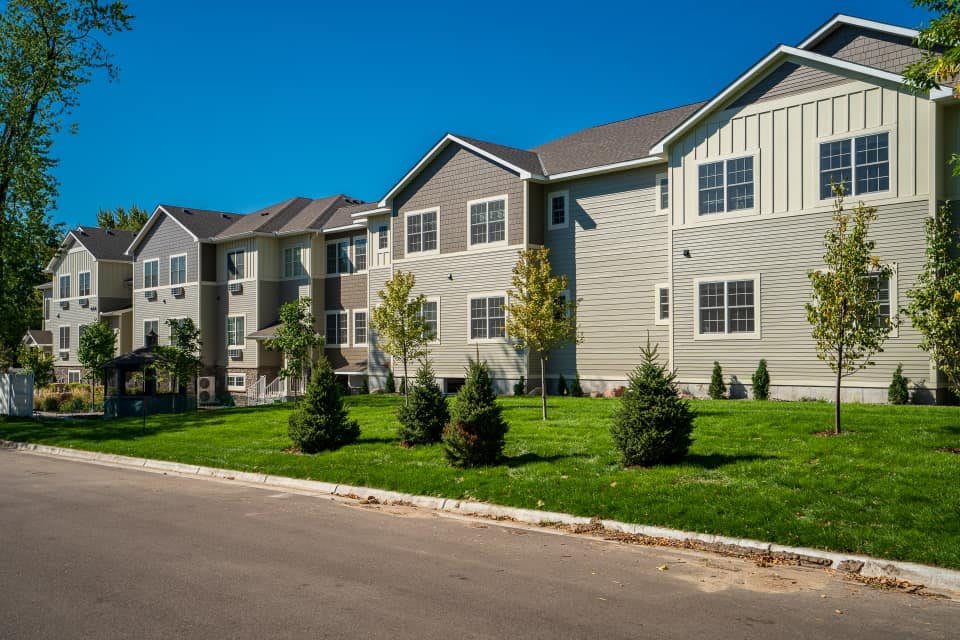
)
(96, 552)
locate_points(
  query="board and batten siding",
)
(76, 260)
(783, 251)
(784, 136)
(114, 284)
(239, 304)
(614, 251)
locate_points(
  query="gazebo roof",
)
(134, 360)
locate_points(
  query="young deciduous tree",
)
(540, 316)
(123, 219)
(48, 50)
(296, 338)
(845, 308)
(398, 322)
(39, 363)
(934, 308)
(181, 358)
(98, 343)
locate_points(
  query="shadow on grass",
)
(532, 458)
(716, 460)
(99, 430)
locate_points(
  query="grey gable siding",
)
(166, 238)
(785, 80)
(871, 48)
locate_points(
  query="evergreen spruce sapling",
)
(761, 382)
(391, 385)
(899, 390)
(365, 387)
(425, 413)
(652, 424)
(562, 389)
(576, 391)
(320, 422)
(475, 435)
(403, 387)
(520, 388)
(718, 387)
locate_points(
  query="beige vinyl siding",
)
(456, 176)
(113, 284)
(76, 260)
(74, 316)
(950, 129)
(342, 356)
(245, 304)
(378, 361)
(783, 251)
(250, 258)
(378, 257)
(165, 306)
(784, 135)
(211, 331)
(614, 252)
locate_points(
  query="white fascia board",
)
(152, 221)
(841, 19)
(370, 212)
(349, 227)
(605, 168)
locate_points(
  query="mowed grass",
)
(755, 469)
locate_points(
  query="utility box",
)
(16, 393)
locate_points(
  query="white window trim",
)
(894, 300)
(304, 258)
(60, 286)
(489, 294)
(506, 223)
(170, 273)
(60, 341)
(386, 235)
(756, 334)
(79, 373)
(243, 338)
(89, 284)
(406, 232)
(352, 329)
(226, 265)
(656, 303)
(338, 241)
(143, 274)
(566, 210)
(726, 213)
(436, 299)
(353, 251)
(338, 345)
(664, 175)
(233, 387)
(143, 329)
(892, 151)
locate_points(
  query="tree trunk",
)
(836, 403)
(543, 388)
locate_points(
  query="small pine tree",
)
(520, 388)
(899, 390)
(365, 387)
(391, 385)
(425, 413)
(403, 386)
(653, 423)
(475, 434)
(717, 386)
(562, 389)
(576, 391)
(320, 422)
(761, 382)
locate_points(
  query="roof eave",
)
(840, 19)
(371, 212)
(604, 168)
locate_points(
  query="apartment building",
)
(91, 282)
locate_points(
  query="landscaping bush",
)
(652, 424)
(51, 403)
(425, 413)
(576, 390)
(562, 386)
(73, 404)
(390, 386)
(320, 422)
(761, 382)
(365, 387)
(899, 390)
(717, 386)
(520, 388)
(475, 434)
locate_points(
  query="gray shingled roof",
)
(620, 141)
(40, 337)
(290, 216)
(202, 223)
(343, 216)
(104, 244)
(526, 160)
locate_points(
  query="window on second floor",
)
(235, 331)
(83, 284)
(293, 262)
(151, 331)
(488, 221)
(64, 338)
(336, 333)
(338, 257)
(859, 165)
(383, 238)
(65, 286)
(558, 210)
(422, 232)
(151, 273)
(178, 269)
(235, 265)
(487, 318)
(360, 253)
(662, 304)
(360, 327)
(663, 191)
(726, 185)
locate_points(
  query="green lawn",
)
(755, 469)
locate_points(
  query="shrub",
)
(320, 422)
(424, 414)
(475, 434)
(390, 386)
(72, 404)
(403, 386)
(562, 389)
(520, 388)
(761, 381)
(576, 391)
(365, 387)
(717, 386)
(899, 391)
(652, 424)
(51, 403)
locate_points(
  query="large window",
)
(65, 286)
(293, 262)
(487, 318)
(860, 165)
(83, 284)
(488, 221)
(360, 327)
(338, 257)
(360, 253)
(727, 307)
(430, 312)
(422, 232)
(235, 331)
(336, 328)
(151, 274)
(236, 268)
(236, 382)
(726, 185)
(558, 209)
(178, 269)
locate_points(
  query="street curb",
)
(917, 574)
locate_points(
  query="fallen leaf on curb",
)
(540, 503)
(663, 567)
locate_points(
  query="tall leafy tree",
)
(98, 343)
(845, 309)
(181, 358)
(401, 330)
(296, 338)
(934, 308)
(123, 219)
(539, 316)
(48, 50)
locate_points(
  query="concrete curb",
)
(918, 574)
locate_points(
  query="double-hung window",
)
(64, 338)
(236, 381)
(65, 286)
(360, 253)
(880, 289)
(83, 284)
(178, 269)
(336, 333)
(73, 376)
(488, 221)
(235, 331)
(360, 328)
(422, 232)
(151, 274)
(726, 185)
(487, 318)
(430, 312)
(558, 209)
(858, 165)
(235, 265)
(663, 191)
(338, 257)
(151, 329)
(662, 303)
(727, 307)
(383, 237)
(293, 262)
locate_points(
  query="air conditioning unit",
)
(206, 389)
(64, 304)
(235, 354)
(235, 287)
(176, 291)
(64, 354)
(150, 295)
(84, 302)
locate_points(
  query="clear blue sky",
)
(235, 105)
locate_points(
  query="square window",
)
(859, 165)
(488, 221)
(727, 307)
(422, 232)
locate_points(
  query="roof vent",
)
(265, 213)
(109, 232)
(225, 216)
(188, 212)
